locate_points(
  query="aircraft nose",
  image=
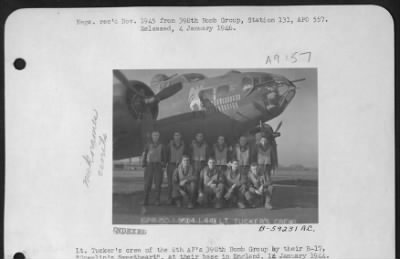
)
(278, 96)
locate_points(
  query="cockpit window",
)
(207, 94)
(194, 77)
(222, 91)
(247, 81)
(266, 78)
(247, 84)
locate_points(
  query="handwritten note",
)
(102, 140)
(289, 58)
(95, 157)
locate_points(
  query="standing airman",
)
(153, 159)
(270, 135)
(199, 152)
(263, 158)
(221, 153)
(243, 154)
(175, 152)
(257, 137)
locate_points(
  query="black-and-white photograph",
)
(200, 132)
(215, 146)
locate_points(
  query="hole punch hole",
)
(19, 255)
(19, 63)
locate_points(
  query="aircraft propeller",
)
(168, 91)
(142, 106)
(118, 74)
(163, 94)
(278, 127)
(265, 127)
(276, 132)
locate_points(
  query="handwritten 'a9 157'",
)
(292, 57)
(99, 141)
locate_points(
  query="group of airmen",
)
(211, 176)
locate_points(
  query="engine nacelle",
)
(136, 102)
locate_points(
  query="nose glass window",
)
(282, 88)
(272, 98)
(247, 84)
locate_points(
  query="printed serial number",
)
(297, 228)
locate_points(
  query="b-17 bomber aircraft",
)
(231, 105)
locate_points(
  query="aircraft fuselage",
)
(228, 105)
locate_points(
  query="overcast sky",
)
(299, 141)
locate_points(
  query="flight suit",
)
(153, 161)
(243, 155)
(211, 185)
(221, 154)
(263, 157)
(184, 184)
(259, 189)
(236, 187)
(174, 155)
(199, 156)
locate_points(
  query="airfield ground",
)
(295, 200)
